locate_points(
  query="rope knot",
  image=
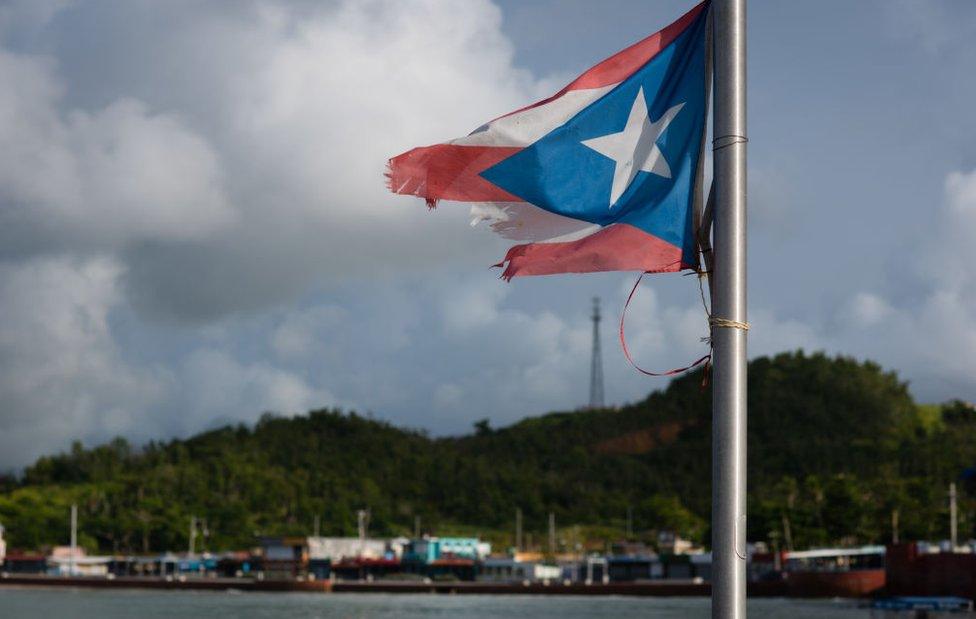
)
(725, 323)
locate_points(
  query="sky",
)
(194, 227)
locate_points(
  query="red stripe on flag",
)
(624, 63)
(621, 65)
(618, 247)
(449, 172)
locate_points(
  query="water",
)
(93, 604)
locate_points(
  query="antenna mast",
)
(596, 362)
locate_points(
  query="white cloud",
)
(470, 306)
(866, 309)
(222, 176)
(242, 163)
(61, 374)
(297, 335)
(97, 180)
(216, 167)
(961, 193)
(217, 388)
(448, 397)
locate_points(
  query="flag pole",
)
(728, 319)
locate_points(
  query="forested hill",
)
(834, 446)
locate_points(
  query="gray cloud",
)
(194, 227)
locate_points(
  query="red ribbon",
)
(623, 343)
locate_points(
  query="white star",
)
(635, 148)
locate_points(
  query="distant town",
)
(468, 564)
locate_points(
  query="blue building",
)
(431, 549)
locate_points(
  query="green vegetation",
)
(834, 447)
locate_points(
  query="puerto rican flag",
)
(605, 175)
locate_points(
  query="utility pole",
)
(630, 522)
(729, 316)
(316, 525)
(894, 526)
(596, 361)
(362, 523)
(518, 529)
(953, 521)
(74, 538)
(193, 534)
(416, 526)
(552, 534)
(787, 533)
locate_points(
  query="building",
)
(283, 557)
(24, 563)
(687, 566)
(588, 570)
(292, 557)
(633, 561)
(430, 549)
(335, 549)
(630, 568)
(503, 569)
(669, 542)
(68, 561)
(444, 558)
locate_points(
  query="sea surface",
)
(56, 603)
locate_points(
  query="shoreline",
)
(640, 589)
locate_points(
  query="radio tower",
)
(596, 363)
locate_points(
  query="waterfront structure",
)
(73, 561)
(504, 569)
(291, 557)
(630, 568)
(24, 563)
(671, 543)
(834, 559)
(431, 549)
(337, 548)
(589, 570)
(363, 569)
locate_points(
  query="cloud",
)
(866, 309)
(201, 176)
(194, 228)
(234, 159)
(936, 26)
(217, 388)
(296, 335)
(97, 181)
(302, 106)
(62, 376)
(924, 323)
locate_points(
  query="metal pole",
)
(729, 313)
(953, 538)
(193, 534)
(552, 534)
(74, 538)
(518, 529)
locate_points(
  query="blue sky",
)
(194, 227)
